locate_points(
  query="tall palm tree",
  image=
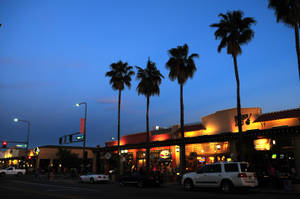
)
(288, 12)
(234, 31)
(182, 67)
(150, 79)
(120, 76)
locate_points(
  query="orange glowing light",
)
(262, 144)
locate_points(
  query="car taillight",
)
(242, 175)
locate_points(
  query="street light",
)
(84, 132)
(28, 132)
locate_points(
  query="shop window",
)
(231, 167)
(141, 154)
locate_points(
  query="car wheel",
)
(92, 181)
(188, 185)
(2, 174)
(140, 184)
(226, 186)
(19, 174)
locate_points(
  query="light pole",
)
(28, 134)
(84, 132)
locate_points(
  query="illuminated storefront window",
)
(262, 144)
(207, 148)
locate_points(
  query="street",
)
(28, 187)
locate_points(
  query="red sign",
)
(82, 125)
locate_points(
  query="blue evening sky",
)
(55, 53)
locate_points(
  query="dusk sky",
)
(55, 53)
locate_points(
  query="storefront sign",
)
(201, 158)
(165, 154)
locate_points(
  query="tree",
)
(120, 76)
(234, 31)
(288, 12)
(150, 79)
(181, 67)
(67, 158)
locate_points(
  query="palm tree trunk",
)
(182, 147)
(239, 115)
(296, 27)
(119, 107)
(147, 140)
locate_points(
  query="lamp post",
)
(28, 134)
(84, 132)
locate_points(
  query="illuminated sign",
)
(36, 150)
(82, 124)
(165, 154)
(262, 144)
(21, 145)
(201, 158)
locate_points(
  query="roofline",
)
(67, 147)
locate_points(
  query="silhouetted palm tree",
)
(120, 75)
(288, 12)
(150, 79)
(234, 31)
(181, 67)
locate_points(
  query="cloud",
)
(107, 101)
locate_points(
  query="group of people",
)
(276, 176)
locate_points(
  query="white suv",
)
(225, 175)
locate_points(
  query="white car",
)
(92, 178)
(226, 176)
(12, 171)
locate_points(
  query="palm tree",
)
(182, 67)
(288, 12)
(120, 76)
(150, 79)
(234, 31)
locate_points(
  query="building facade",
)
(45, 157)
(270, 139)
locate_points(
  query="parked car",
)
(226, 176)
(93, 178)
(12, 171)
(140, 180)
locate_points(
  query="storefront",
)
(269, 139)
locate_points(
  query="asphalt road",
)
(29, 188)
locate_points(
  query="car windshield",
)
(246, 168)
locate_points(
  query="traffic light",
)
(70, 138)
(4, 144)
(60, 140)
(29, 157)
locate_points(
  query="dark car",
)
(140, 179)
